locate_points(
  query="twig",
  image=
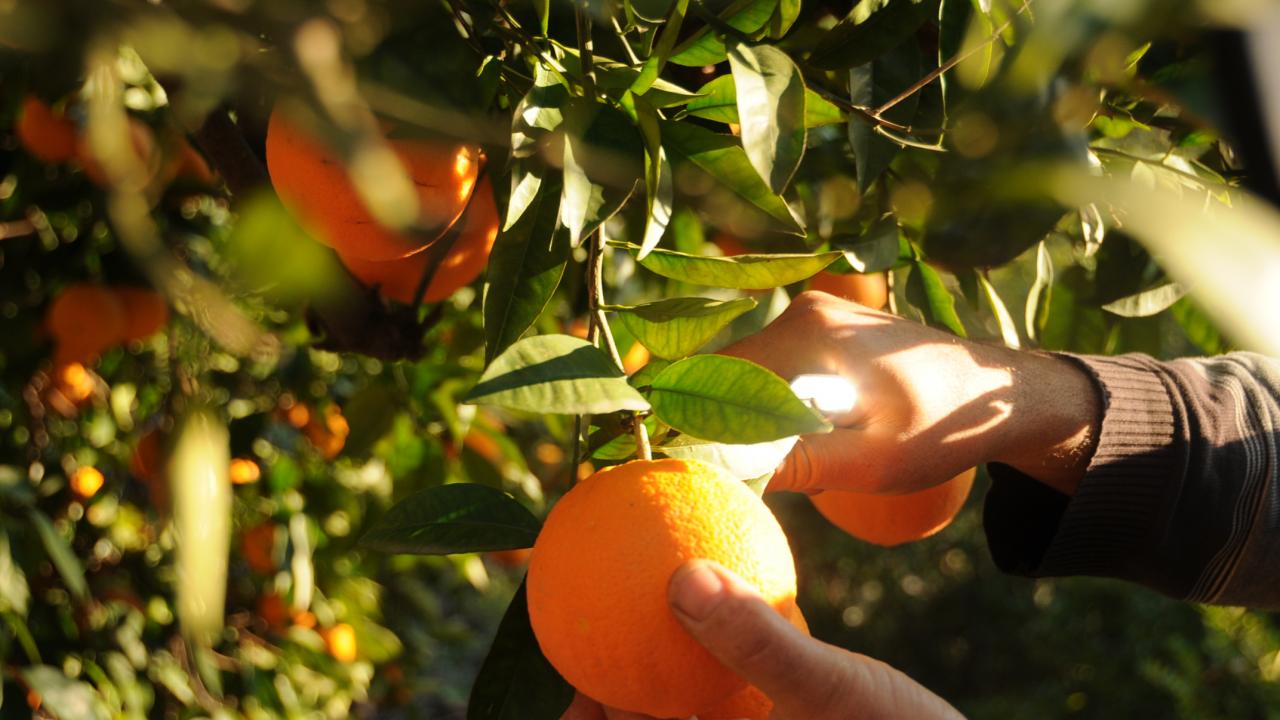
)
(626, 46)
(586, 48)
(643, 449)
(956, 59)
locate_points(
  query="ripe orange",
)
(84, 320)
(637, 357)
(870, 289)
(86, 481)
(341, 641)
(146, 312)
(398, 279)
(890, 520)
(597, 582)
(730, 245)
(244, 471)
(329, 433)
(312, 182)
(50, 137)
(258, 545)
(511, 558)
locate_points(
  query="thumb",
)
(745, 633)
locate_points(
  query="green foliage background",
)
(949, 188)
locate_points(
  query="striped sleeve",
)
(1182, 494)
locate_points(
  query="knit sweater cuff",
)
(1117, 506)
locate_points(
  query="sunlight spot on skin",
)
(1001, 411)
(831, 395)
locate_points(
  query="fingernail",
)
(695, 590)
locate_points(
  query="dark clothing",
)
(1182, 494)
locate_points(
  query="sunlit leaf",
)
(741, 462)
(1148, 302)
(525, 183)
(539, 112)
(927, 292)
(197, 472)
(1039, 296)
(524, 270)
(676, 327)
(659, 179)
(555, 374)
(875, 251)
(662, 49)
(718, 100)
(461, 517)
(727, 399)
(603, 156)
(516, 682)
(742, 272)
(771, 95)
(721, 157)
(705, 47)
(1008, 330)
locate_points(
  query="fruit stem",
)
(643, 448)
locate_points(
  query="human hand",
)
(805, 678)
(930, 405)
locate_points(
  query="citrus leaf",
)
(871, 85)
(64, 560)
(873, 251)
(870, 30)
(741, 462)
(456, 518)
(659, 183)
(1008, 330)
(1040, 294)
(926, 291)
(524, 271)
(718, 101)
(525, 182)
(721, 157)
(516, 682)
(676, 327)
(727, 399)
(600, 174)
(15, 593)
(742, 272)
(1148, 302)
(771, 97)
(555, 374)
(662, 50)
(62, 697)
(539, 112)
(784, 17)
(705, 47)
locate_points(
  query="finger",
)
(838, 460)
(742, 631)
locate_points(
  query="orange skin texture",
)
(890, 520)
(870, 290)
(84, 320)
(398, 279)
(313, 184)
(146, 312)
(86, 482)
(597, 581)
(49, 137)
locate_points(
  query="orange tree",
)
(212, 511)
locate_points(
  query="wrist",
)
(1053, 427)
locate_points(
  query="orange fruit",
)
(597, 581)
(49, 136)
(146, 312)
(890, 520)
(869, 289)
(637, 357)
(730, 245)
(298, 415)
(341, 641)
(74, 381)
(244, 471)
(329, 433)
(398, 279)
(86, 481)
(272, 609)
(144, 147)
(511, 558)
(84, 320)
(258, 545)
(313, 184)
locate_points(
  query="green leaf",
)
(525, 268)
(659, 182)
(555, 374)
(784, 17)
(602, 153)
(870, 30)
(1199, 327)
(651, 10)
(1040, 294)
(741, 462)
(721, 157)
(62, 697)
(1008, 330)
(539, 112)
(525, 182)
(544, 15)
(516, 682)
(926, 291)
(615, 79)
(771, 96)
(718, 101)
(872, 85)
(457, 518)
(64, 560)
(676, 327)
(1148, 302)
(741, 272)
(705, 47)
(874, 251)
(652, 67)
(731, 400)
